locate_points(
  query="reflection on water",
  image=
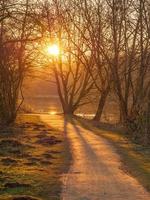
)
(52, 105)
(52, 112)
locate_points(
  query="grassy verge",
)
(135, 157)
(32, 158)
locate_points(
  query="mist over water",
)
(45, 104)
(41, 97)
(51, 105)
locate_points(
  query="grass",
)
(135, 157)
(33, 157)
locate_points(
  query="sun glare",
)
(52, 112)
(53, 50)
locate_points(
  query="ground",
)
(33, 155)
(34, 161)
(96, 172)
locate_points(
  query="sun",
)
(53, 50)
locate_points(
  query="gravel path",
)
(95, 173)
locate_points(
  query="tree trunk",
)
(101, 105)
(124, 118)
(68, 110)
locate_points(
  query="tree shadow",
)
(86, 145)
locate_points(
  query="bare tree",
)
(94, 20)
(73, 80)
(130, 44)
(18, 30)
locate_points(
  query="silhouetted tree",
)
(18, 30)
(73, 80)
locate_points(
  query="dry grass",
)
(32, 158)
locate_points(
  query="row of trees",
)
(104, 49)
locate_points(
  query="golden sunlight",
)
(53, 50)
(52, 112)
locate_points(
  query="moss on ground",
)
(32, 158)
(135, 157)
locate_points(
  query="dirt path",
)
(96, 172)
